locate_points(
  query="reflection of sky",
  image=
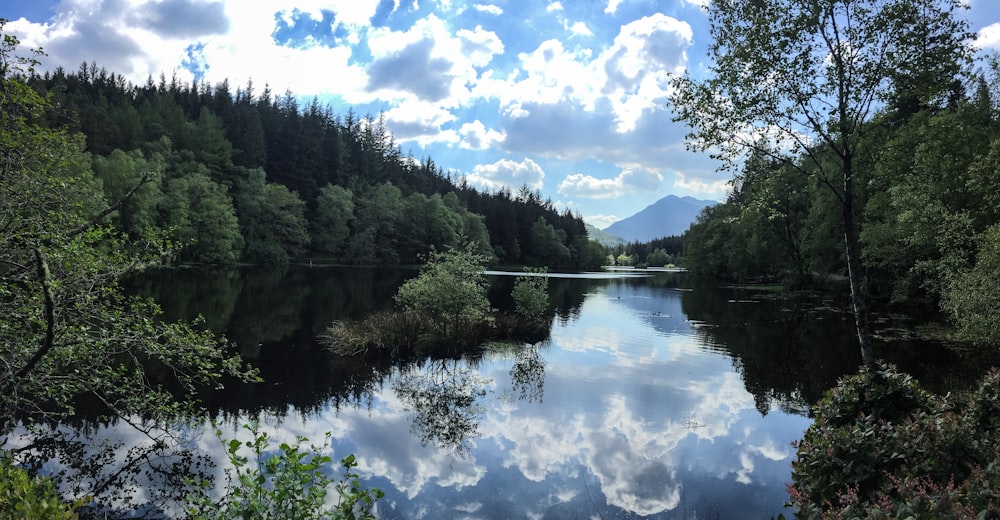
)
(636, 419)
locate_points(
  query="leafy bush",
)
(531, 296)
(31, 497)
(450, 290)
(289, 484)
(970, 296)
(882, 447)
(446, 309)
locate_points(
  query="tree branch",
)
(44, 276)
(146, 177)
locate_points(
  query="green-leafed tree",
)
(331, 224)
(66, 328)
(272, 219)
(378, 217)
(548, 244)
(798, 81)
(971, 297)
(120, 172)
(450, 291)
(201, 217)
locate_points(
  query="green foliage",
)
(881, 447)
(272, 220)
(397, 210)
(284, 482)
(202, 218)
(30, 497)
(548, 244)
(446, 308)
(379, 214)
(331, 226)
(450, 290)
(66, 327)
(972, 299)
(531, 293)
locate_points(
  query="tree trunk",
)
(852, 248)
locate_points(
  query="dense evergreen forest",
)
(250, 176)
(927, 201)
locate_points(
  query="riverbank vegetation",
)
(883, 447)
(446, 309)
(863, 137)
(921, 148)
(70, 337)
(661, 252)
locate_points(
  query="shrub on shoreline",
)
(446, 308)
(882, 447)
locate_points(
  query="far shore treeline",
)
(245, 175)
(927, 205)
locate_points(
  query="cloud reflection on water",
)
(625, 404)
(624, 410)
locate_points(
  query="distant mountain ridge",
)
(669, 216)
(604, 238)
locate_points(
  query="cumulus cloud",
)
(476, 136)
(428, 62)
(703, 4)
(182, 18)
(716, 188)
(612, 6)
(413, 70)
(479, 46)
(628, 181)
(421, 122)
(638, 66)
(580, 29)
(989, 37)
(509, 174)
(601, 221)
(489, 9)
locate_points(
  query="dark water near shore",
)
(654, 396)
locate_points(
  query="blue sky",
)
(568, 97)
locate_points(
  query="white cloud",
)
(612, 6)
(601, 221)
(628, 181)
(554, 6)
(638, 66)
(428, 62)
(716, 188)
(989, 37)
(476, 136)
(507, 173)
(580, 29)
(489, 9)
(702, 4)
(421, 122)
(479, 46)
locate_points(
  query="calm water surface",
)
(653, 396)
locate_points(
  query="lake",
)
(655, 395)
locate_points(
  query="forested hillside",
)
(248, 176)
(927, 200)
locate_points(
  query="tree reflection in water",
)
(527, 376)
(443, 395)
(130, 467)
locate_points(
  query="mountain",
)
(604, 238)
(668, 216)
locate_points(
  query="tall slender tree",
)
(799, 81)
